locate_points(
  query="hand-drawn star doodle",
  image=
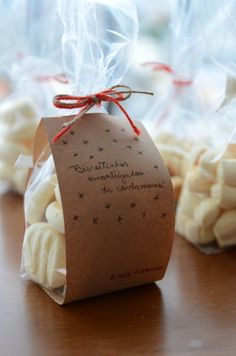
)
(123, 130)
(100, 149)
(143, 214)
(156, 197)
(64, 142)
(91, 156)
(130, 147)
(140, 152)
(114, 140)
(75, 217)
(156, 167)
(136, 138)
(107, 130)
(75, 154)
(81, 195)
(108, 205)
(95, 220)
(72, 132)
(132, 204)
(85, 142)
(119, 219)
(163, 215)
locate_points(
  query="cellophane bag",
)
(26, 68)
(174, 117)
(207, 206)
(90, 200)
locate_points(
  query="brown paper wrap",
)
(117, 202)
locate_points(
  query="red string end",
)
(137, 131)
(61, 133)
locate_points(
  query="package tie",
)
(61, 78)
(177, 82)
(162, 67)
(114, 94)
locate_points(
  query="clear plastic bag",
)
(206, 209)
(43, 259)
(24, 63)
(174, 117)
(98, 36)
(206, 213)
(216, 20)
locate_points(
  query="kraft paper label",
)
(117, 202)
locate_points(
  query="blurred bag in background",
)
(30, 62)
(174, 118)
(206, 214)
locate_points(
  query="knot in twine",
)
(114, 94)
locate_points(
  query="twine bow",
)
(114, 94)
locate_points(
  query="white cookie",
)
(226, 172)
(44, 257)
(54, 216)
(208, 163)
(207, 212)
(14, 110)
(180, 223)
(196, 181)
(18, 120)
(225, 228)
(188, 201)
(198, 234)
(10, 151)
(21, 131)
(38, 200)
(224, 195)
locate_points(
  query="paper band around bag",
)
(128, 244)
